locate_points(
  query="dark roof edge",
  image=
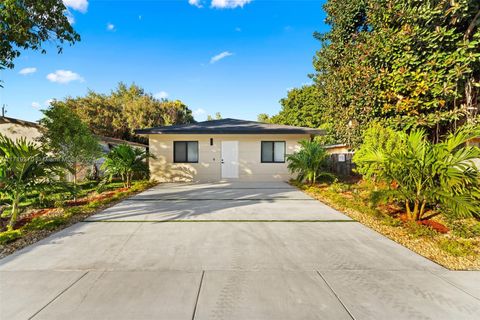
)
(271, 131)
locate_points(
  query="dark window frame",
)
(273, 151)
(186, 151)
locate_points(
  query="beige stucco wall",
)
(16, 131)
(208, 168)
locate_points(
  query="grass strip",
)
(176, 220)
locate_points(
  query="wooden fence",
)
(341, 164)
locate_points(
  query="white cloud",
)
(199, 112)
(110, 27)
(79, 5)
(161, 95)
(29, 70)
(196, 3)
(36, 105)
(220, 56)
(64, 76)
(48, 102)
(221, 4)
(229, 4)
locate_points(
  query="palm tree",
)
(431, 178)
(125, 161)
(24, 167)
(309, 161)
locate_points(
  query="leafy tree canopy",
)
(218, 116)
(28, 24)
(408, 63)
(68, 137)
(125, 109)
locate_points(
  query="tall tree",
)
(125, 109)
(28, 24)
(408, 63)
(69, 138)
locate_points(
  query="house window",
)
(273, 151)
(185, 151)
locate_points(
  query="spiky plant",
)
(429, 178)
(125, 161)
(24, 168)
(309, 162)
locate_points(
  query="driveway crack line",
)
(58, 295)
(198, 295)
(336, 295)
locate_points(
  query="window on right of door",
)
(273, 151)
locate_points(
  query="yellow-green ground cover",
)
(458, 249)
(36, 224)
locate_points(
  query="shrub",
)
(392, 222)
(465, 230)
(47, 223)
(428, 178)
(9, 236)
(101, 187)
(376, 137)
(310, 162)
(125, 161)
(24, 168)
(418, 230)
(458, 248)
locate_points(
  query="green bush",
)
(464, 229)
(94, 204)
(428, 178)
(392, 222)
(125, 161)
(310, 162)
(376, 137)
(47, 223)
(458, 248)
(102, 186)
(9, 236)
(417, 230)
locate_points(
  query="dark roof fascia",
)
(213, 131)
(229, 126)
(20, 122)
(120, 141)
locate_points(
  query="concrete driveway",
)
(228, 251)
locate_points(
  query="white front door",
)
(229, 159)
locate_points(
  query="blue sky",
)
(236, 57)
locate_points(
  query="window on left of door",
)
(185, 151)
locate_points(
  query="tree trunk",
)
(409, 213)
(75, 181)
(13, 218)
(422, 210)
(416, 210)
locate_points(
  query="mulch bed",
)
(425, 246)
(33, 236)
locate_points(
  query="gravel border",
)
(424, 246)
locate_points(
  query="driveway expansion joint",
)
(336, 295)
(453, 284)
(58, 295)
(198, 295)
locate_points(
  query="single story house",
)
(225, 149)
(32, 131)
(16, 129)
